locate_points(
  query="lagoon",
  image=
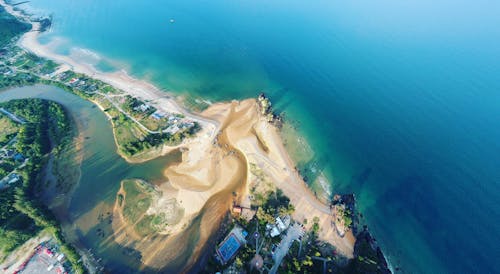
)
(102, 170)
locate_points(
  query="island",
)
(235, 186)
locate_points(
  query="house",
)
(73, 82)
(156, 116)
(8, 180)
(13, 178)
(18, 157)
(237, 209)
(187, 125)
(172, 129)
(9, 153)
(281, 224)
(274, 231)
(63, 76)
(142, 108)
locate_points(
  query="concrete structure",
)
(231, 244)
(281, 224)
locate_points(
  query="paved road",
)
(292, 234)
(12, 116)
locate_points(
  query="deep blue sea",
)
(400, 100)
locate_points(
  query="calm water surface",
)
(102, 170)
(400, 100)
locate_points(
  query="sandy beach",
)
(214, 165)
(120, 79)
(204, 182)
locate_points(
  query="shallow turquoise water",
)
(399, 99)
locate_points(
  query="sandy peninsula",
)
(214, 165)
(204, 183)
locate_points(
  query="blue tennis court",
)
(228, 248)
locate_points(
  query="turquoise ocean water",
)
(400, 100)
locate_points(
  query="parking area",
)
(44, 260)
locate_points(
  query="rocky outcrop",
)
(343, 207)
(368, 257)
(265, 108)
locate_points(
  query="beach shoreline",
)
(235, 118)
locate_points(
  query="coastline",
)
(278, 162)
(143, 90)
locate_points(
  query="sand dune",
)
(211, 171)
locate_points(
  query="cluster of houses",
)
(13, 177)
(6, 153)
(236, 238)
(178, 126)
(9, 54)
(81, 84)
(10, 57)
(175, 122)
(142, 108)
(6, 71)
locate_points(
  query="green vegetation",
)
(15, 226)
(133, 140)
(21, 68)
(132, 105)
(315, 226)
(22, 214)
(276, 204)
(135, 200)
(10, 27)
(18, 80)
(9, 130)
(345, 215)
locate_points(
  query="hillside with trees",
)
(21, 214)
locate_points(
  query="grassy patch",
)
(9, 129)
(137, 200)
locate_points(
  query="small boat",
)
(172, 21)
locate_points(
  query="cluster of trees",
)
(47, 121)
(21, 214)
(15, 226)
(276, 204)
(6, 166)
(132, 102)
(20, 79)
(4, 139)
(154, 140)
(10, 27)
